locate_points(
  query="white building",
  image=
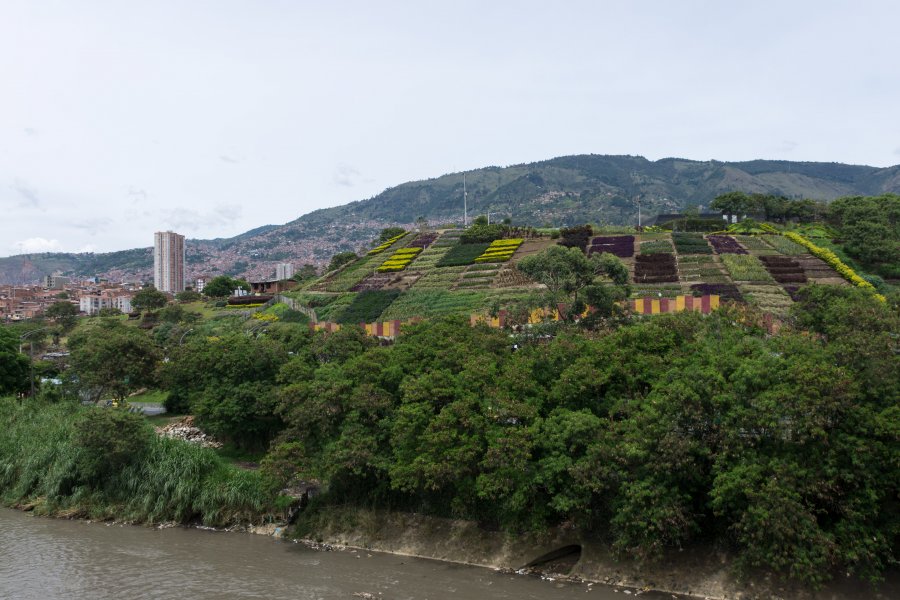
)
(168, 261)
(284, 271)
(91, 304)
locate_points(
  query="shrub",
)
(107, 440)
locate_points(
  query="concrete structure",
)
(56, 282)
(168, 261)
(272, 287)
(90, 304)
(284, 271)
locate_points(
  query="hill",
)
(560, 191)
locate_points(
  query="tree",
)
(339, 260)
(112, 358)
(223, 286)
(149, 298)
(562, 270)
(107, 441)
(306, 272)
(188, 296)
(13, 364)
(732, 203)
(62, 312)
(389, 232)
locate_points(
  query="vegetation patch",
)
(462, 254)
(367, 306)
(745, 267)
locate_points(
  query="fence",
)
(653, 306)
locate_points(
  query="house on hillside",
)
(272, 286)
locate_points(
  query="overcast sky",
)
(120, 118)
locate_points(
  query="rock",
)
(184, 430)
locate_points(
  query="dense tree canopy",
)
(112, 359)
(149, 298)
(223, 286)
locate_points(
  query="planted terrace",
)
(619, 245)
(724, 244)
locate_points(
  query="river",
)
(49, 559)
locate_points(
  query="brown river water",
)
(47, 559)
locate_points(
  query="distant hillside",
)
(560, 191)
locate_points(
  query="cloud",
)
(137, 195)
(228, 159)
(347, 175)
(94, 226)
(29, 196)
(897, 151)
(31, 131)
(189, 219)
(36, 244)
(787, 146)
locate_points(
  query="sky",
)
(123, 117)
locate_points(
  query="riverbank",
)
(696, 572)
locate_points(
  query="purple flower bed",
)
(724, 244)
(376, 281)
(784, 269)
(423, 240)
(620, 245)
(726, 291)
(655, 268)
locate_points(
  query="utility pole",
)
(638, 200)
(30, 353)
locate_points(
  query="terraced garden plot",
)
(656, 291)
(462, 254)
(510, 276)
(438, 303)
(818, 270)
(690, 243)
(704, 270)
(367, 306)
(784, 269)
(619, 245)
(724, 244)
(784, 245)
(375, 281)
(726, 291)
(327, 306)
(769, 298)
(655, 268)
(353, 273)
(744, 267)
(448, 238)
(756, 245)
(439, 278)
(657, 247)
(423, 240)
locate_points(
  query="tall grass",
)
(171, 481)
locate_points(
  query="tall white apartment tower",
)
(168, 261)
(284, 271)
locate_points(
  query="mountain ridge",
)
(559, 191)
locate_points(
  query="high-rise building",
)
(284, 271)
(168, 261)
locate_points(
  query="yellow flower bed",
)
(385, 245)
(399, 260)
(500, 250)
(833, 261)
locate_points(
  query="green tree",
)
(340, 259)
(14, 365)
(733, 203)
(149, 298)
(563, 270)
(223, 286)
(63, 313)
(188, 296)
(112, 358)
(389, 232)
(106, 441)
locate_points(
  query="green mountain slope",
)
(560, 191)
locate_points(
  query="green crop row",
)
(745, 267)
